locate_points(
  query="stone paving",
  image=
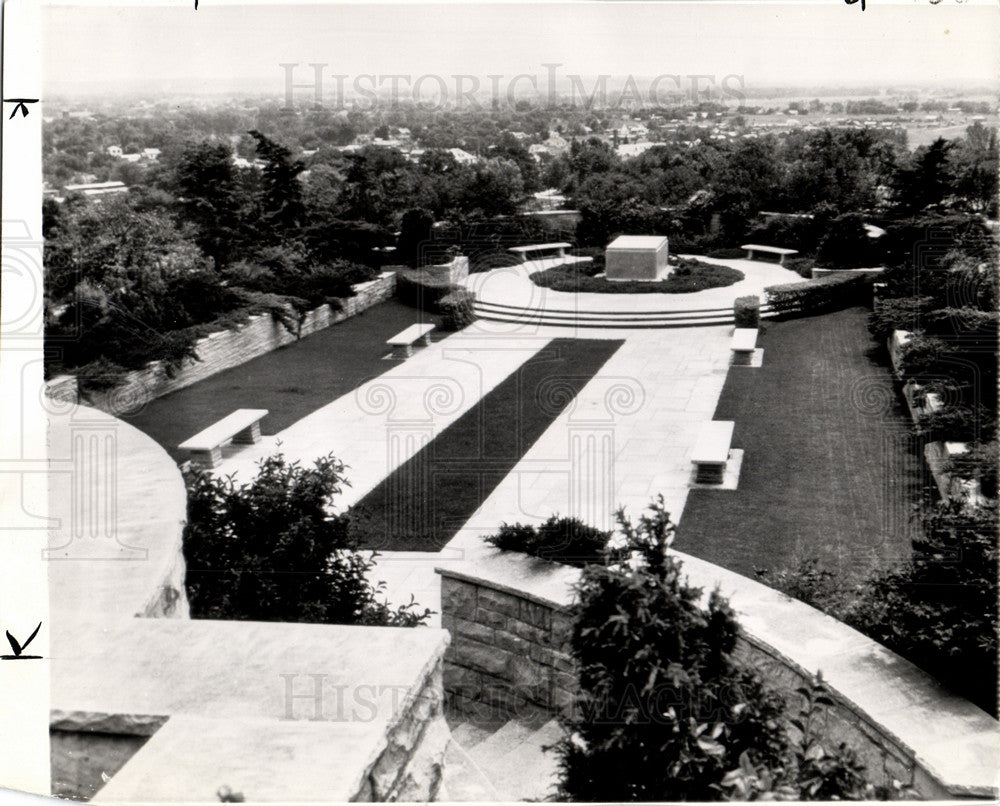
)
(511, 285)
(627, 437)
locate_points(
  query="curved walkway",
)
(508, 294)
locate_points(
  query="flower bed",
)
(688, 276)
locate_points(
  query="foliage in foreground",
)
(271, 550)
(562, 540)
(664, 712)
(939, 610)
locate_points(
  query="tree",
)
(846, 244)
(495, 188)
(210, 199)
(414, 236)
(271, 550)
(282, 207)
(926, 180)
(663, 711)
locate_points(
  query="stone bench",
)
(711, 451)
(402, 343)
(241, 427)
(743, 345)
(769, 250)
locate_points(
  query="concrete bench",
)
(769, 250)
(241, 427)
(743, 344)
(711, 451)
(402, 343)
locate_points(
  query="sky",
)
(822, 42)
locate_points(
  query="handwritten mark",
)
(20, 105)
(18, 648)
(195, 5)
(852, 2)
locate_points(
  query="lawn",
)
(290, 382)
(688, 276)
(830, 468)
(427, 499)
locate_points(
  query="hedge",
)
(456, 309)
(831, 293)
(746, 311)
(420, 289)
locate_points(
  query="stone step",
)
(462, 781)
(528, 771)
(503, 741)
(468, 734)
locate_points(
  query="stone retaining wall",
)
(223, 350)
(509, 653)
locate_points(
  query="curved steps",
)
(561, 317)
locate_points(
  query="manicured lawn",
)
(426, 500)
(830, 469)
(290, 382)
(690, 276)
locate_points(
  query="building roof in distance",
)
(638, 242)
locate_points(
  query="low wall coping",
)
(546, 583)
(220, 685)
(954, 741)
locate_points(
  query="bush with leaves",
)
(562, 540)
(272, 550)
(979, 464)
(663, 710)
(939, 610)
(457, 309)
(746, 311)
(830, 293)
(812, 771)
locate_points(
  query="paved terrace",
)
(511, 285)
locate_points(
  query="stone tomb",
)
(636, 257)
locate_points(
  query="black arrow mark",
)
(19, 648)
(20, 105)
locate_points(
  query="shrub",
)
(269, 550)
(846, 244)
(978, 463)
(939, 610)
(746, 311)
(956, 422)
(904, 313)
(663, 711)
(563, 540)
(420, 289)
(830, 293)
(813, 772)
(456, 309)
(689, 276)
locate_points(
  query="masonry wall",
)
(223, 350)
(411, 764)
(509, 653)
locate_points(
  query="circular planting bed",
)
(687, 276)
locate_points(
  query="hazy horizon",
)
(228, 48)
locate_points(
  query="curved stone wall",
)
(508, 616)
(120, 505)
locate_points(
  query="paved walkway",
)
(627, 437)
(511, 285)
(385, 421)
